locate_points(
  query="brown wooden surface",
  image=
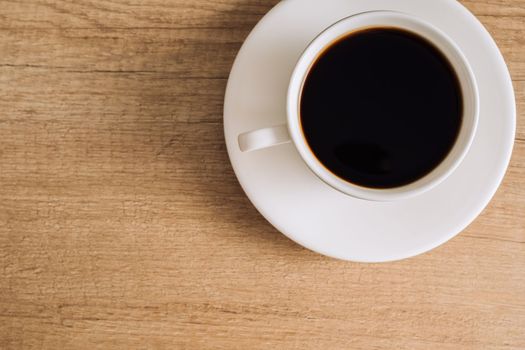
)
(120, 228)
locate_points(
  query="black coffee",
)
(381, 108)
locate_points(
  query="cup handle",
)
(264, 138)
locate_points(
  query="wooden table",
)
(122, 224)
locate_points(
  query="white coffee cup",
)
(291, 131)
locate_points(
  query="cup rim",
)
(447, 47)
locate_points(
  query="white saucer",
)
(322, 219)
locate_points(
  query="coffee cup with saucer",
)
(332, 220)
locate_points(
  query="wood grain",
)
(121, 228)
